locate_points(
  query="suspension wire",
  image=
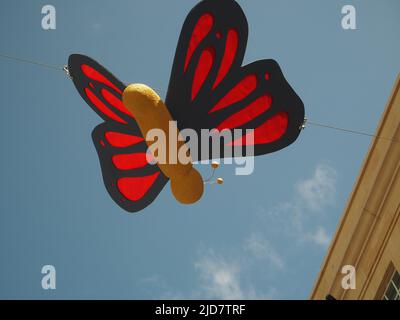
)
(64, 69)
(37, 63)
(362, 133)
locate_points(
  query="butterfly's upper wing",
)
(131, 181)
(209, 88)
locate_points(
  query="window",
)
(393, 289)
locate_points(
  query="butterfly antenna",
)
(214, 166)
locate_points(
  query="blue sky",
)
(259, 236)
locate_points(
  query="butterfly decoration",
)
(209, 88)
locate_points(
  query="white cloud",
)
(262, 249)
(296, 218)
(320, 237)
(289, 222)
(319, 190)
(221, 279)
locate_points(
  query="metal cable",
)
(65, 70)
(350, 131)
(40, 64)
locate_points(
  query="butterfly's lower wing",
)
(130, 179)
(209, 88)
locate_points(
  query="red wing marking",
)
(201, 30)
(115, 102)
(97, 76)
(130, 161)
(239, 92)
(247, 114)
(270, 131)
(232, 41)
(102, 107)
(122, 140)
(134, 188)
(202, 70)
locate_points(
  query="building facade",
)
(363, 260)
